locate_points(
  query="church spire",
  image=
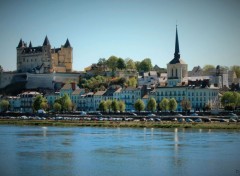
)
(176, 58)
(177, 52)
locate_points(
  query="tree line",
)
(229, 100)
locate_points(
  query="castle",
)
(44, 59)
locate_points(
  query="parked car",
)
(157, 120)
(194, 114)
(223, 120)
(151, 115)
(198, 120)
(179, 115)
(181, 120)
(232, 120)
(189, 120)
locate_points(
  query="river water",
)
(72, 151)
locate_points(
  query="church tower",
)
(177, 69)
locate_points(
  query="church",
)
(44, 59)
(178, 86)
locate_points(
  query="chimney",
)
(73, 85)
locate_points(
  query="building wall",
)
(197, 96)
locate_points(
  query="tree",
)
(151, 105)
(130, 64)
(145, 65)
(172, 104)
(122, 106)
(115, 106)
(102, 61)
(207, 68)
(137, 64)
(57, 107)
(112, 62)
(1, 69)
(132, 82)
(4, 105)
(186, 105)
(109, 105)
(236, 69)
(39, 102)
(103, 106)
(139, 105)
(164, 104)
(121, 64)
(230, 100)
(44, 105)
(65, 102)
(207, 106)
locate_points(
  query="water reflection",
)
(117, 151)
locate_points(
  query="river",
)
(88, 151)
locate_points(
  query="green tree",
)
(4, 104)
(112, 62)
(137, 64)
(172, 104)
(230, 100)
(44, 105)
(57, 107)
(103, 106)
(151, 105)
(207, 68)
(236, 69)
(186, 105)
(164, 104)
(39, 101)
(122, 106)
(145, 65)
(130, 64)
(109, 105)
(121, 64)
(132, 82)
(65, 102)
(115, 106)
(139, 105)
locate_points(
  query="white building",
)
(178, 88)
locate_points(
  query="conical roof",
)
(46, 41)
(20, 44)
(67, 44)
(30, 45)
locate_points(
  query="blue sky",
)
(209, 30)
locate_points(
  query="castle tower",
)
(47, 60)
(20, 48)
(176, 69)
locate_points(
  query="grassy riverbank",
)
(131, 124)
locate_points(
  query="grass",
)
(132, 124)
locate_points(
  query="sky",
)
(208, 31)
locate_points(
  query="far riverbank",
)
(125, 124)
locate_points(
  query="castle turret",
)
(46, 41)
(30, 45)
(67, 44)
(20, 44)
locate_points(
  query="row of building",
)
(89, 101)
